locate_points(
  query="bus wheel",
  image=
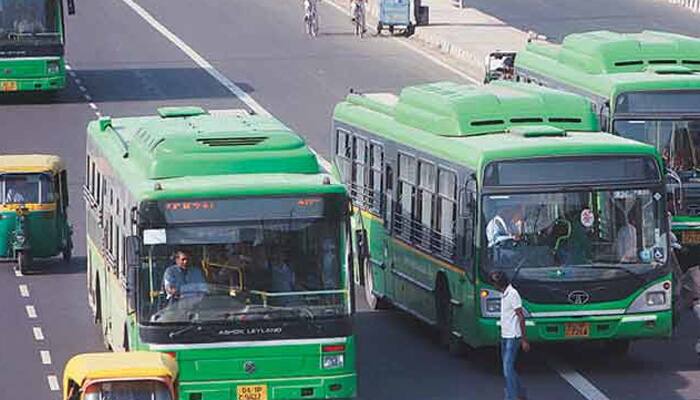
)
(444, 319)
(98, 304)
(617, 348)
(373, 301)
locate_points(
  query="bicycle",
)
(311, 17)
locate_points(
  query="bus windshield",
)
(678, 141)
(244, 271)
(26, 189)
(582, 235)
(29, 22)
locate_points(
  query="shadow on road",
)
(137, 84)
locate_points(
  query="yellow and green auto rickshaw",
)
(120, 376)
(33, 209)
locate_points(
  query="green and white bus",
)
(32, 41)
(430, 171)
(645, 86)
(263, 310)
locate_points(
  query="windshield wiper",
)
(195, 326)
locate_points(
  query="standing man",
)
(512, 334)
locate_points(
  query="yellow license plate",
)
(691, 237)
(577, 329)
(8, 86)
(251, 392)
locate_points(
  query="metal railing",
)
(693, 5)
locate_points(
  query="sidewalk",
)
(465, 34)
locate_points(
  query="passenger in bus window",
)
(626, 241)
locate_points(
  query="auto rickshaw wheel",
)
(67, 252)
(24, 260)
(391, 30)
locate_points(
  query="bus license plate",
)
(8, 86)
(577, 329)
(251, 392)
(691, 237)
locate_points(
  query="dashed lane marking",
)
(38, 333)
(24, 290)
(578, 381)
(92, 105)
(31, 311)
(45, 357)
(53, 383)
(18, 273)
(198, 59)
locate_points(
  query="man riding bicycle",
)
(357, 10)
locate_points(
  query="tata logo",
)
(579, 297)
(249, 367)
(7, 71)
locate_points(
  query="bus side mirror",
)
(71, 7)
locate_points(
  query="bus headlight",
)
(493, 306)
(490, 303)
(333, 361)
(657, 297)
(53, 67)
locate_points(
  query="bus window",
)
(446, 210)
(376, 161)
(407, 184)
(424, 208)
(343, 154)
(358, 171)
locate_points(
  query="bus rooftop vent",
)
(232, 141)
(173, 112)
(533, 131)
(669, 70)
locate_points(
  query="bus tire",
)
(444, 318)
(97, 316)
(373, 301)
(125, 342)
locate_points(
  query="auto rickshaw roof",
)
(30, 163)
(129, 365)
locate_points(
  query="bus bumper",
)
(626, 326)
(48, 83)
(326, 387)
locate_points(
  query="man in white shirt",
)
(626, 243)
(507, 227)
(512, 334)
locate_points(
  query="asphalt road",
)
(122, 66)
(558, 18)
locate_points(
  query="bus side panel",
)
(117, 312)
(413, 277)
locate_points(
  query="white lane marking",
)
(68, 67)
(18, 273)
(24, 290)
(199, 60)
(417, 49)
(78, 81)
(578, 381)
(45, 357)
(31, 311)
(92, 105)
(87, 96)
(205, 65)
(38, 333)
(82, 88)
(53, 383)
